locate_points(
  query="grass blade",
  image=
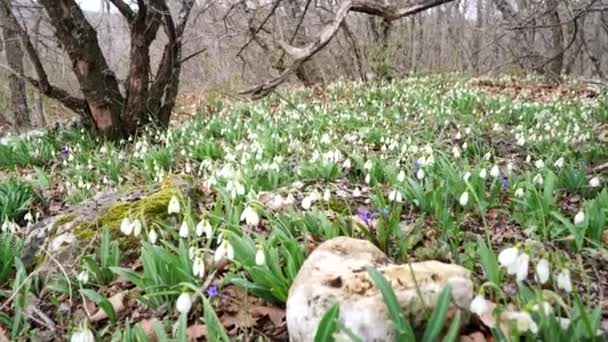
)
(328, 325)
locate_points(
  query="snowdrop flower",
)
(543, 307)
(456, 152)
(368, 165)
(594, 182)
(466, 176)
(224, 250)
(28, 217)
(542, 271)
(204, 227)
(357, 192)
(184, 303)
(519, 193)
(559, 163)
(579, 217)
(347, 164)
(508, 257)
(524, 321)
(229, 251)
(401, 176)
(183, 230)
(260, 257)
(420, 174)
(395, 196)
(538, 179)
(464, 199)
(136, 225)
(521, 141)
(83, 335)
(495, 171)
(152, 236)
(126, 227)
(326, 195)
(479, 305)
(307, 203)
(483, 173)
(367, 178)
(539, 164)
(198, 267)
(563, 280)
(250, 216)
(83, 277)
(522, 267)
(173, 207)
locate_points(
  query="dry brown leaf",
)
(242, 319)
(274, 313)
(605, 237)
(117, 302)
(196, 331)
(147, 326)
(3, 337)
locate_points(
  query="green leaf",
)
(101, 301)
(403, 328)
(215, 330)
(437, 320)
(489, 262)
(328, 325)
(452, 334)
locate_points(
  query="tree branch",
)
(124, 9)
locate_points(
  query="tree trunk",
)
(477, 36)
(556, 50)
(14, 59)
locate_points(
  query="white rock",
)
(335, 272)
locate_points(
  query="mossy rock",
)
(64, 236)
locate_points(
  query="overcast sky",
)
(89, 5)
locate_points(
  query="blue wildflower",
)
(212, 291)
(65, 151)
(504, 182)
(365, 215)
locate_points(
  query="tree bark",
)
(14, 59)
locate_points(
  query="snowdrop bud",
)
(260, 257)
(126, 227)
(250, 216)
(464, 199)
(508, 256)
(307, 203)
(466, 176)
(420, 174)
(519, 192)
(367, 178)
(395, 196)
(539, 164)
(559, 163)
(173, 207)
(479, 305)
(538, 179)
(83, 335)
(542, 271)
(522, 267)
(184, 303)
(563, 280)
(183, 230)
(594, 182)
(495, 171)
(326, 195)
(579, 217)
(483, 173)
(401, 176)
(152, 236)
(83, 277)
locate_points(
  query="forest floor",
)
(469, 167)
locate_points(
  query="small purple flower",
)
(212, 291)
(365, 215)
(65, 151)
(418, 164)
(504, 182)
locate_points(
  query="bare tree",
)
(114, 113)
(14, 59)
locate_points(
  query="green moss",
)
(150, 208)
(339, 206)
(63, 220)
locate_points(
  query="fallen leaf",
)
(147, 326)
(274, 313)
(605, 237)
(196, 331)
(3, 337)
(117, 302)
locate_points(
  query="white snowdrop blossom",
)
(464, 199)
(368, 165)
(524, 321)
(479, 305)
(483, 173)
(184, 303)
(508, 257)
(250, 216)
(456, 152)
(326, 195)
(579, 217)
(28, 217)
(260, 257)
(152, 236)
(357, 192)
(401, 176)
(368, 178)
(539, 164)
(126, 227)
(198, 267)
(174, 206)
(83, 277)
(136, 225)
(204, 227)
(183, 230)
(594, 182)
(395, 196)
(347, 164)
(519, 193)
(495, 171)
(543, 307)
(538, 179)
(307, 203)
(224, 250)
(559, 163)
(466, 176)
(543, 269)
(523, 261)
(563, 280)
(420, 174)
(83, 335)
